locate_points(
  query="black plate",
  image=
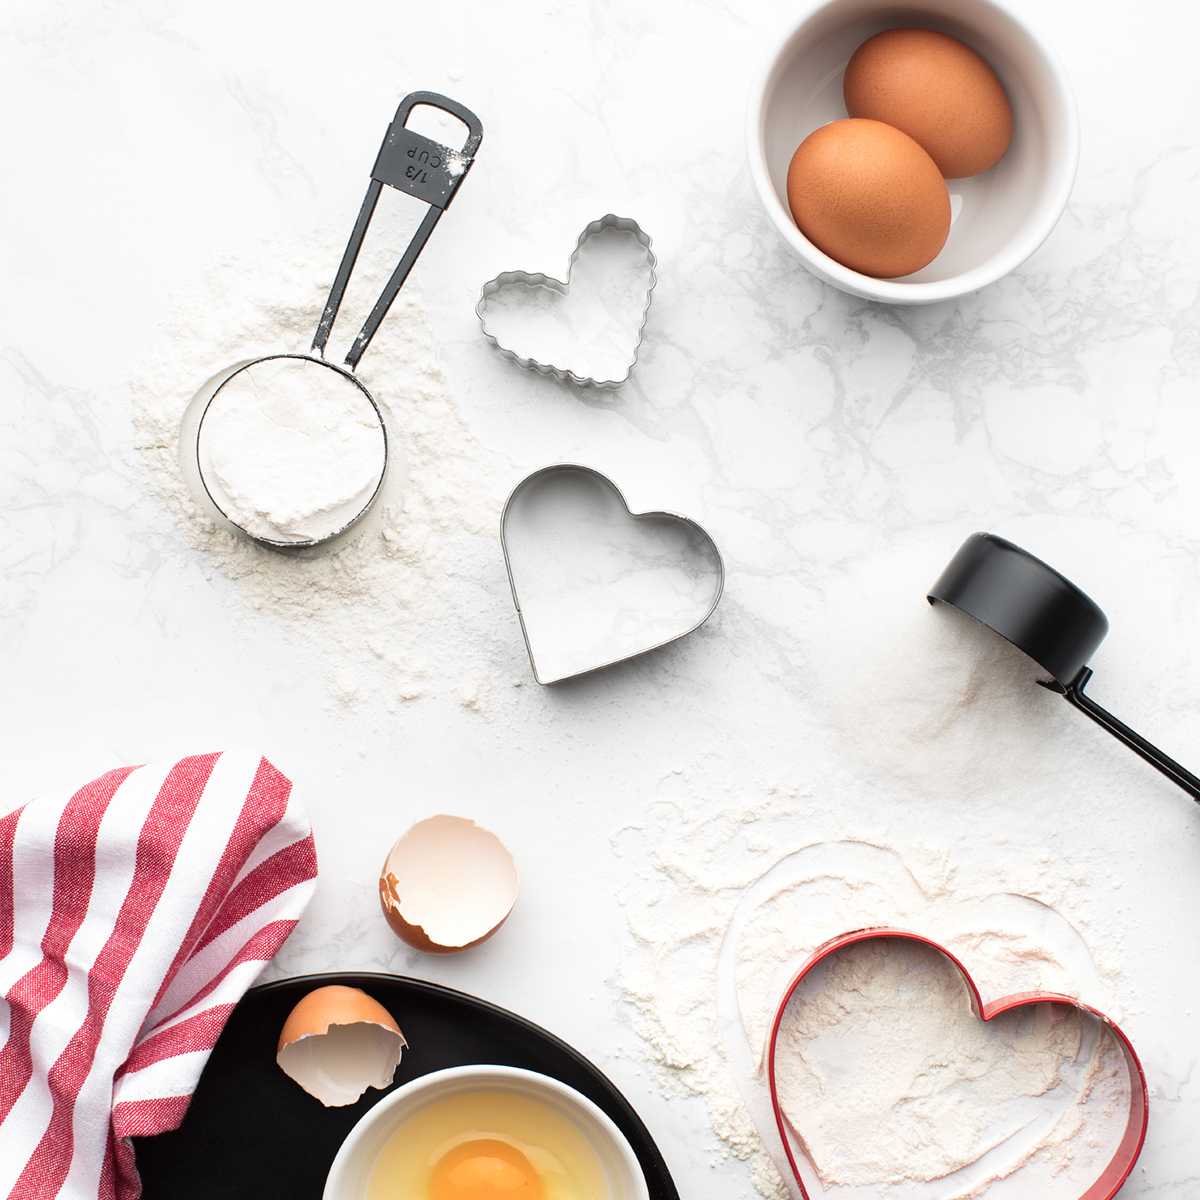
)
(252, 1134)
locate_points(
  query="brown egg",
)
(938, 91)
(868, 196)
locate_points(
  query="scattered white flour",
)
(956, 760)
(291, 450)
(927, 697)
(886, 1074)
(424, 579)
(720, 924)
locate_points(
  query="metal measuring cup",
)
(1049, 619)
(413, 164)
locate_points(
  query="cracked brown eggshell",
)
(447, 885)
(337, 1042)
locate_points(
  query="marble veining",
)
(837, 451)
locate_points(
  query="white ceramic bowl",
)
(1000, 217)
(351, 1170)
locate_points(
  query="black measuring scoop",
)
(1048, 618)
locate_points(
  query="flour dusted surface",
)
(419, 594)
(726, 904)
(886, 1074)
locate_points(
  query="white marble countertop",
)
(837, 451)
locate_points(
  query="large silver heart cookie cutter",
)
(538, 280)
(631, 583)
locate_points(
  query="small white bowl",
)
(351, 1170)
(1001, 216)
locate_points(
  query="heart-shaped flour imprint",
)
(588, 329)
(594, 583)
(887, 1070)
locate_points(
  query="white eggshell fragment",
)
(337, 1042)
(447, 885)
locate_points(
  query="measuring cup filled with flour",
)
(292, 450)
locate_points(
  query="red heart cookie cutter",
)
(1111, 1177)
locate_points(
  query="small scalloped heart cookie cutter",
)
(595, 583)
(615, 337)
(1105, 1179)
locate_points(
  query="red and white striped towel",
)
(133, 915)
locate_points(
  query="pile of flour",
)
(424, 579)
(291, 450)
(926, 697)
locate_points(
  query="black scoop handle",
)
(1073, 694)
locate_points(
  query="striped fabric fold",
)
(134, 913)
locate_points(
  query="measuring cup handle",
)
(1178, 775)
(349, 258)
(436, 100)
(425, 170)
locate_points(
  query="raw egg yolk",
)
(485, 1170)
